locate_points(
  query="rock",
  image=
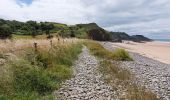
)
(86, 78)
(2, 61)
(149, 73)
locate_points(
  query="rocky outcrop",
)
(138, 38)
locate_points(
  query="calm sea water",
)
(163, 40)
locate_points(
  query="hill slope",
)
(90, 31)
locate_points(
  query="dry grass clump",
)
(114, 70)
(116, 76)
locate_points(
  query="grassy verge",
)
(98, 50)
(116, 76)
(119, 76)
(35, 75)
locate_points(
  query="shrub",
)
(31, 78)
(121, 54)
(5, 31)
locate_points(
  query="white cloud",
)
(132, 16)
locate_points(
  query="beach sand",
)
(156, 50)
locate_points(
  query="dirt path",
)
(87, 84)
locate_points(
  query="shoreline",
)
(149, 73)
(155, 50)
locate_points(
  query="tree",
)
(34, 27)
(5, 31)
(72, 32)
(47, 27)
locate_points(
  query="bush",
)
(5, 31)
(31, 78)
(121, 54)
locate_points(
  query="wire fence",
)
(13, 46)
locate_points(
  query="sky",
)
(150, 18)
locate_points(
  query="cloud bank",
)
(148, 17)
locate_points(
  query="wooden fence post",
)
(51, 43)
(58, 39)
(35, 47)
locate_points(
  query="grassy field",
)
(116, 76)
(14, 36)
(29, 73)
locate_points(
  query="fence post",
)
(51, 43)
(35, 47)
(58, 39)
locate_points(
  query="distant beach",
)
(156, 50)
(162, 40)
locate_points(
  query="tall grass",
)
(114, 70)
(35, 74)
(116, 76)
(98, 50)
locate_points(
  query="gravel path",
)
(152, 74)
(87, 84)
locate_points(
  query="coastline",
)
(149, 73)
(156, 50)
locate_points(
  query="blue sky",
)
(28, 2)
(147, 17)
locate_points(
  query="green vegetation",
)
(14, 36)
(5, 31)
(115, 75)
(51, 29)
(121, 54)
(98, 50)
(36, 74)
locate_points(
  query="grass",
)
(14, 36)
(36, 74)
(114, 70)
(117, 76)
(18, 45)
(98, 50)
(121, 54)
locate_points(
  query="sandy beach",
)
(156, 50)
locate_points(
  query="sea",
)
(162, 40)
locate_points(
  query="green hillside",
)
(52, 29)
